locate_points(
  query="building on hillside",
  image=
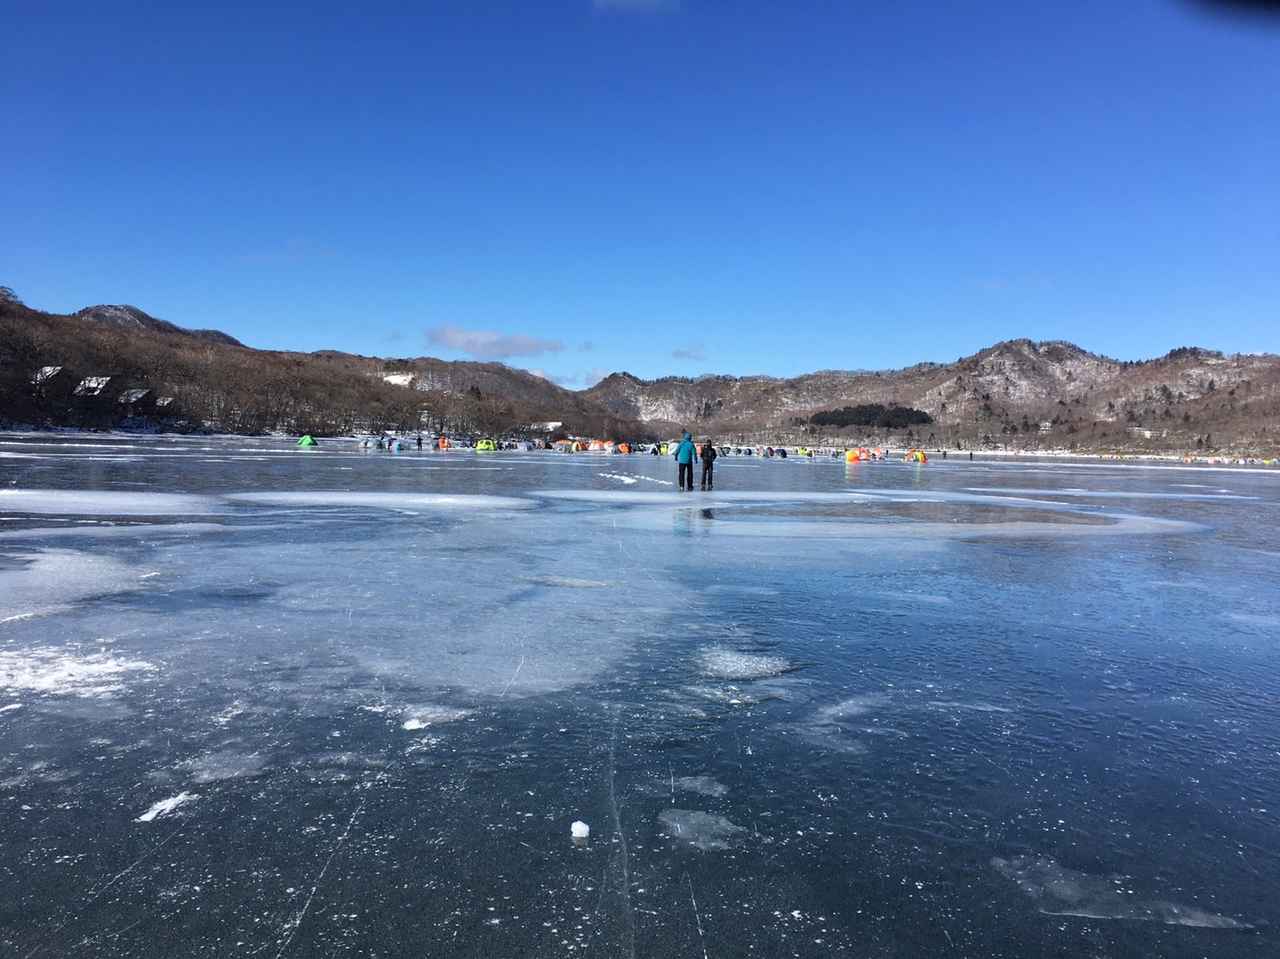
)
(137, 402)
(92, 386)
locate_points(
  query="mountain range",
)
(1016, 393)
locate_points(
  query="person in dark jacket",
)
(686, 455)
(709, 455)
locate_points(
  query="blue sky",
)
(579, 186)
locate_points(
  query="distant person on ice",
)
(709, 455)
(686, 455)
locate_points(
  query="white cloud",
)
(488, 345)
(694, 351)
(580, 380)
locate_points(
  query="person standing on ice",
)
(686, 455)
(709, 455)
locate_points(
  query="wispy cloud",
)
(586, 346)
(694, 351)
(636, 6)
(488, 345)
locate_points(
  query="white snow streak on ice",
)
(166, 806)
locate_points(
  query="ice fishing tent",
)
(915, 456)
(486, 446)
(307, 441)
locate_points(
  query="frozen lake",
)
(262, 702)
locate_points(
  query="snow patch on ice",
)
(724, 663)
(231, 712)
(618, 477)
(59, 671)
(166, 806)
(702, 830)
(1059, 891)
(225, 764)
(420, 717)
(702, 785)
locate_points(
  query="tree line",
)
(872, 414)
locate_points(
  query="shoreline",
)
(1236, 463)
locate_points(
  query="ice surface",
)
(1059, 891)
(104, 503)
(1110, 494)
(703, 830)
(567, 582)
(395, 501)
(37, 583)
(113, 531)
(868, 680)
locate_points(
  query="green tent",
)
(308, 440)
(486, 446)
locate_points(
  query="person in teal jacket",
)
(686, 455)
